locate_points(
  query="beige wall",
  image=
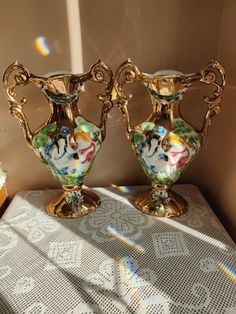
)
(155, 34)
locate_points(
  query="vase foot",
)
(175, 205)
(62, 208)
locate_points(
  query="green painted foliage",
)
(184, 129)
(40, 140)
(49, 128)
(168, 180)
(179, 123)
(70, 180)
(147, 126)
(65, 179)
(137, 137)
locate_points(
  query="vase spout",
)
(168, 86)
(60, 88)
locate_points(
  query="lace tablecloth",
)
(115, 260)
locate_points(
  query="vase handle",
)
(100, 72)
(20, 78)
(126, 73)
(212, 74)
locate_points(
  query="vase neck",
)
(166, 93)
(167, 111)
(62, 113)
(175, 110)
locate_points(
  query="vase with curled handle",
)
(67, 142)
(164, 143)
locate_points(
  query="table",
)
(115, 260)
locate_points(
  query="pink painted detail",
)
(182, 161)
(90, 154)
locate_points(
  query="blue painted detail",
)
(65, 130)
(61, 99)
(162, 157)
(63, 171)
(49, 148)
(153, 168)
(161, 131)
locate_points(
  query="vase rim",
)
(168, 73)
(56, 73)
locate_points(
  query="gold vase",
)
(67, 142)
(165, 143)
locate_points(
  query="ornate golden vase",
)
(67, 142)
(165, 143)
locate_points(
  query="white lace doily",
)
(115, 260)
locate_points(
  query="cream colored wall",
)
(219, 179)
(155, 34)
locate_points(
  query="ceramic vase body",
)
(67, 142)
(165, 143)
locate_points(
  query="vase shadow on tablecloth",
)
(5, 306)
(77, 282)
(127, 236)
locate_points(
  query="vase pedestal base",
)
(175, 206)
(61, 208)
